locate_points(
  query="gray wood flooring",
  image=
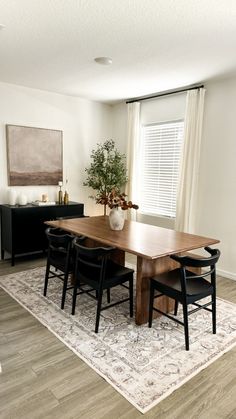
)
(42, 378)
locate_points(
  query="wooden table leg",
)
(145, 269)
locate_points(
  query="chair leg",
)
(74, 299)
(131, 297)
(176, 307)
(151, 304)
(186, 333)
(64, 291)
(99, 305)
(214, 314)
(46, 279)
(108, 295)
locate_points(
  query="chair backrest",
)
(195, 262)
(91, 261)
(58, 240)
(199, 262)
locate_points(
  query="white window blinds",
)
(160, 157)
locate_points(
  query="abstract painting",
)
(34, 156)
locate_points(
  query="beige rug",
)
(144, 365)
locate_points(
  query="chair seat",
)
(196, 288)
(115, 274)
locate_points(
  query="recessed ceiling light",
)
(103, 60)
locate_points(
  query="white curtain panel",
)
(133, 135)
(189, 168)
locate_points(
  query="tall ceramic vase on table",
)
(116, 218)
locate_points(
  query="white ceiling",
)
(155, 45)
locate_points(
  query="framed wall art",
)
(34, 155)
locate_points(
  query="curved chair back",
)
(198, 262)
(91, 261)
(58, 240)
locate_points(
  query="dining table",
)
(152, 245)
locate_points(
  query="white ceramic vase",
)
(22, 199)
(116, 218)
(12, 197)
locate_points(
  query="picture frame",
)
(34, 155)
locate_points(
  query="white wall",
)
(217, 181)
(84, 123)
(217, 188)
(119, 126)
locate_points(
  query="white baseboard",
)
(226, 274)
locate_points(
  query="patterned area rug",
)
(144, 365)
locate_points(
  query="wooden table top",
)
(140, 239)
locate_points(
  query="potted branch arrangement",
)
(118, 203)
(107, 176)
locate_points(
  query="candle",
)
(45, 197)
(60, 183)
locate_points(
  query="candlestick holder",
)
(66, 195)
(60, 194)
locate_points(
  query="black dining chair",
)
(94, 268)
(187, 287)
(60, 258)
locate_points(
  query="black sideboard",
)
(23, 228)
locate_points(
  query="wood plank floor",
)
(42, 378)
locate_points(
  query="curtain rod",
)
(165, 93)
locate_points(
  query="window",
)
(161, 145)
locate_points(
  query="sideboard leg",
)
(12, 259)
